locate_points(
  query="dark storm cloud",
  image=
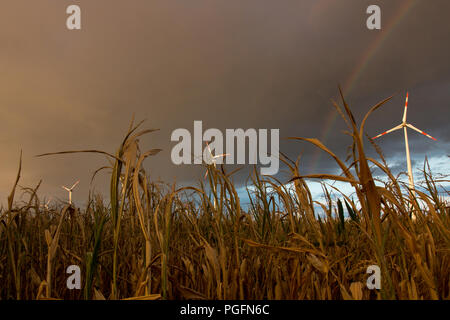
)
(248, 64)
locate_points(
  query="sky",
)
(261, 64)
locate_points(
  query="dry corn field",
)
(154, 241)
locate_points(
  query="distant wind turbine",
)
(46, 204)
(70, 191)
(404, 125)
(213, 160)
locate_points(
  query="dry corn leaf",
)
(48, 237)
(98, 295)
(345, 294)
(356, 290)
(191, 294)
(35, 279)
(317, 263)
(155, 296)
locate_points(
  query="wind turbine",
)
(45, 206)
(212, 159)
(70, 191)
(405, 125)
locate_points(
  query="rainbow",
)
(361, 66)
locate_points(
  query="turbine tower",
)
(406, 125)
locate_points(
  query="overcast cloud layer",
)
(232, 64)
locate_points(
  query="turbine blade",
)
(389, 131)
(65, 188)
(221, 155)
(420, 131)
(406, 108)
(75, 184)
